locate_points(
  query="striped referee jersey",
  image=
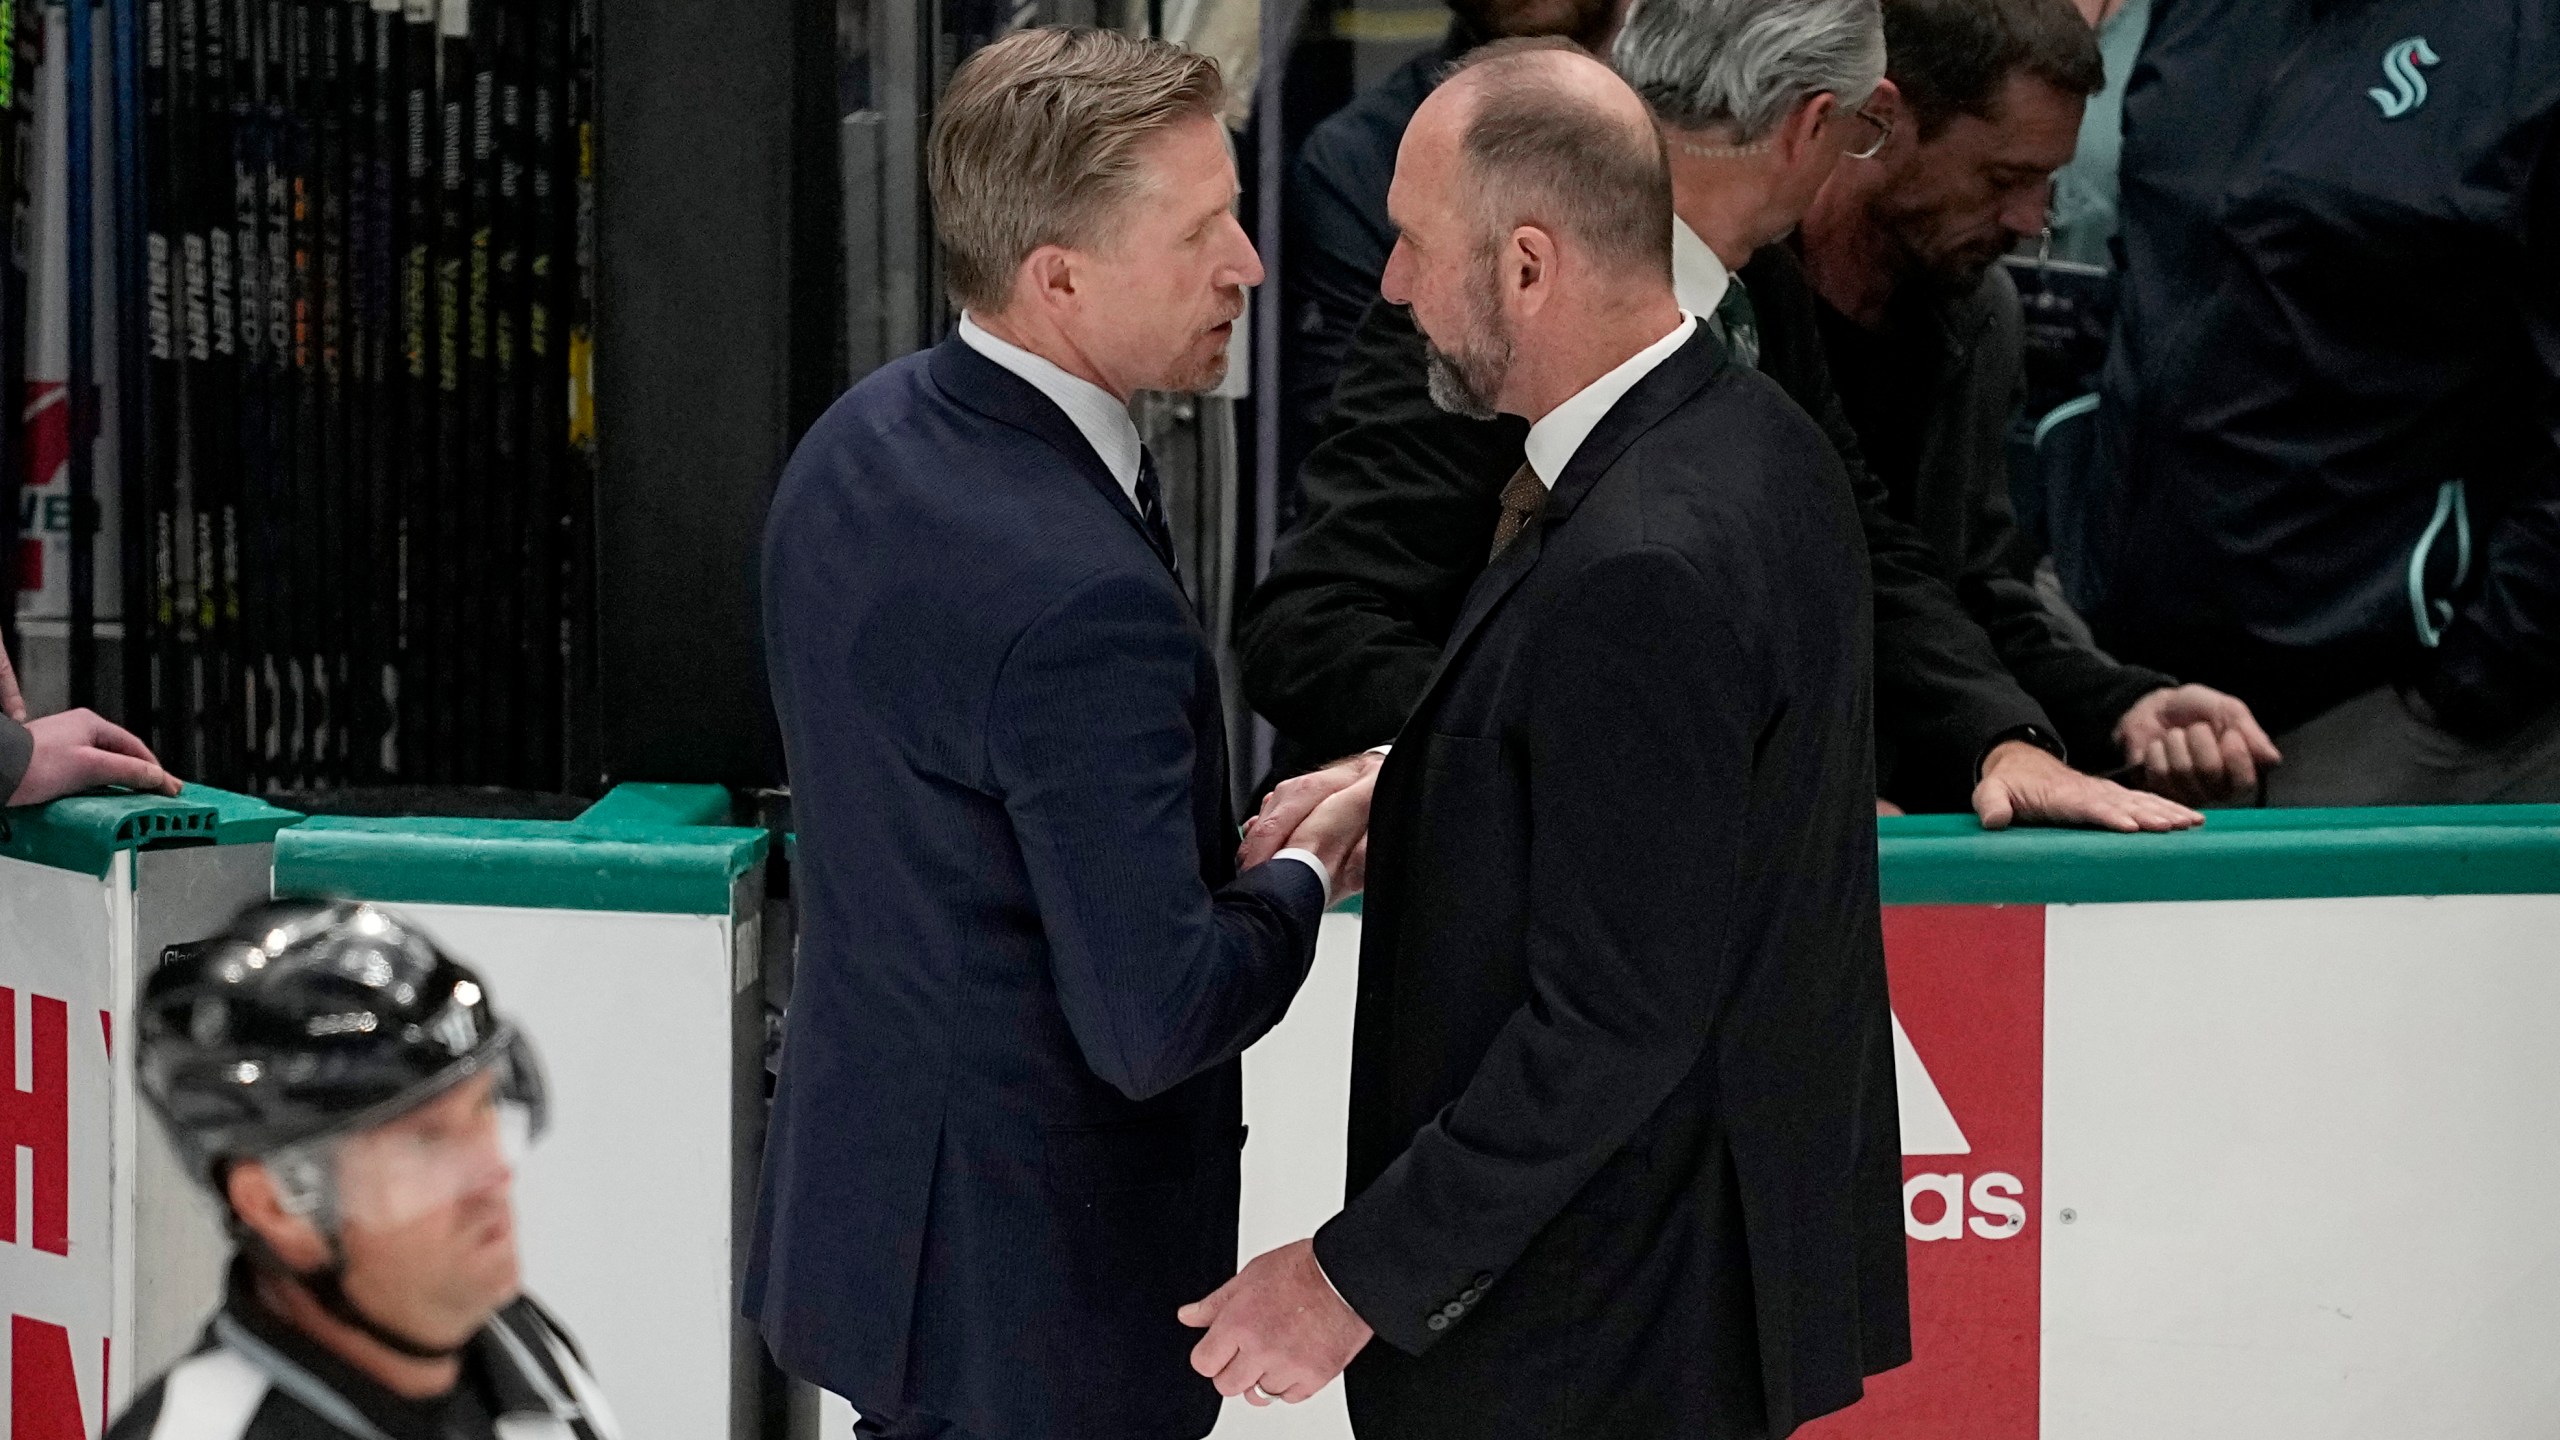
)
(257, 1378)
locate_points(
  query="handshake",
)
(1325, 813)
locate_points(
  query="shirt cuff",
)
(1324, 877)
(1318, 1262)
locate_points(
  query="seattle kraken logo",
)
(2400, 66)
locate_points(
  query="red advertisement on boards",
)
(1968, 1000)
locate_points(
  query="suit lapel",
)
(980, 385)
(1687, 371)
(1488, 593)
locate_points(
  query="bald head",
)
(1544, 134)
(1532, 208)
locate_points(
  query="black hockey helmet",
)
(308, 1020)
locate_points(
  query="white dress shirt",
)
(1698, 276)
(1104, 422)
(1096, 413)
(1558, 434)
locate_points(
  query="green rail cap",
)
(534, 864)
(83, 833)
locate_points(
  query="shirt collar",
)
(1554, 439)
(1698, 276)
(1096, 413)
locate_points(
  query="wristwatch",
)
(2035, 735)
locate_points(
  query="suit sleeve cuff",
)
(1324, 876)
(1328, 1283)
(1408, 1299)
(17, 752)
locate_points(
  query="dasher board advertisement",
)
(2261, 1168)
(57, 1113)
(2234, 1168)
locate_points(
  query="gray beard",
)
(1464, 383)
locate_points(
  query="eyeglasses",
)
(1883, 129)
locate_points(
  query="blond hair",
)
(1036, 144)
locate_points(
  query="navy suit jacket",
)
(1005, 1145)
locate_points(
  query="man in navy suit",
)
(1005, 1146)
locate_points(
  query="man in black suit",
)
(1759, 99)
(1005, 1143)
(1623, 1156)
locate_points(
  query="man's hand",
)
(1338, 834)
(77, 751)
(1293, 802)
(1277, 1331)
(2025, 785)
(2195, 744)
(13, 703)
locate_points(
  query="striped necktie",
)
(1739, 323)
(1151, 510)
(1522, 499)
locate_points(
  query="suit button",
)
(1453, 1310)
(1484, 1280)
(1438, 1322)
(1469, 1297)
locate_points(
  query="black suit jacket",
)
(1964, 356)
(1623, 1149)
(1400, 502)
(1004, 1147)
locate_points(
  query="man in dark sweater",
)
(1923, 331)
(1402, 497)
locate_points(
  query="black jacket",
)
(2332, 412)
(257, 1378)
(1401, 499)
(1337, 237)
(17, 749)
(1931, 396)
(1623, 1148)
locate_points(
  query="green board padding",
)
(537, 864)
(83, 832)
(636, 803)
(2236, 855)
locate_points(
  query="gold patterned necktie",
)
(1522, 499)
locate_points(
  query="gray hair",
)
(1748, 64)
